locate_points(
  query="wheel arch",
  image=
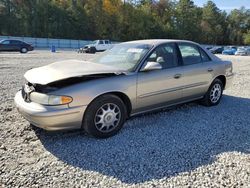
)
(223, 79)
(125, 100)
(119, 94)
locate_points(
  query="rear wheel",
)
(105, 116)
(214, 93)
(24, 50)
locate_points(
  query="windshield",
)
(230, 48)
(124, 56)
(241, 48)
(93, 42)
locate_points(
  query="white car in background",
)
(97, 46)
(243, 51)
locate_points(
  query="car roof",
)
(156, 42)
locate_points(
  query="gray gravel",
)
(186, 146)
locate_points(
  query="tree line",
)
(123, 20)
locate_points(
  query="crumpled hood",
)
(66, 69)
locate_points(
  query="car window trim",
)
(201, 50)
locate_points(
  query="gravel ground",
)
(186, 146)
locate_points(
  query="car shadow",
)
(158, 145)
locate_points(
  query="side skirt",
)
(164, 107)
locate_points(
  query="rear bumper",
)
(229, 80)
(50, 117)
(227, 53)
(31, 48)
(241, 53)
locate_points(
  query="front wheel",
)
(214, 93)
(104, 116)
(92, 50)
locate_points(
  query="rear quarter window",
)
(15, 42)
(204, 56)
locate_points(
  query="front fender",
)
(85, 92)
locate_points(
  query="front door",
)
(158, 88)
(100, 46)
(5, 45)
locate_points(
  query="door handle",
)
(177, 76)
(210, 70)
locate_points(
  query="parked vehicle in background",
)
(208, 47)
(217, 50)
(131, 78)
(243, 51)
(96, 46)
(15, 45)
(231, 50)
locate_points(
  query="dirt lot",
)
(187, 146)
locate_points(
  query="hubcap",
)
(107, 117)
(215, 93)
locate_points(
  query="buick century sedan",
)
(129, 79)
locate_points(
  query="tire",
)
(214, 93)
(92, 50)
(105, 116)
(23, 50)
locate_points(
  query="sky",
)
(226, 4)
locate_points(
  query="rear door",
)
(197, 70)
(158, 88)
(15, 45)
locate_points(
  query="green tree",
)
(212, 24)
(124, 20)
(187, 20)
(247, 38)
(238, 24)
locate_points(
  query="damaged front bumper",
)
(61, 117)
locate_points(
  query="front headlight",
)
(45, 99)
(59, 100)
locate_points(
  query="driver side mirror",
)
(160, 60)
(151, 65)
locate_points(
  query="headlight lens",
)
(50, 99)
(58, 100)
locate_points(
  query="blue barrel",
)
(53, 48)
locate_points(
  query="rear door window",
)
(190, 54)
